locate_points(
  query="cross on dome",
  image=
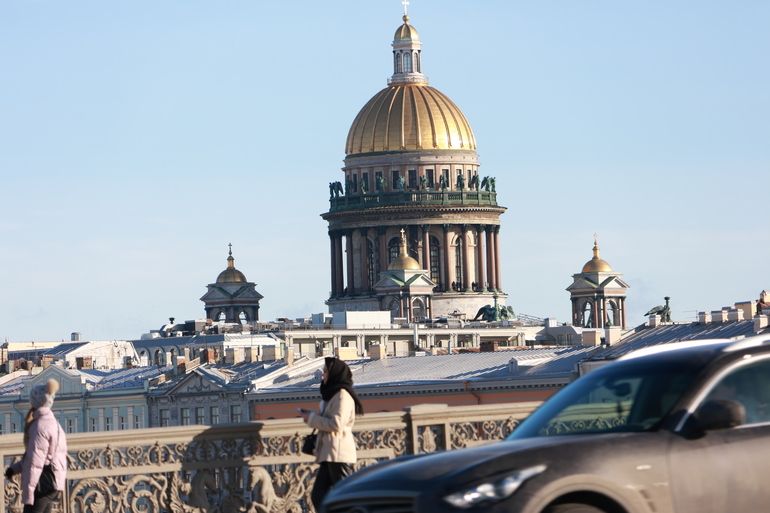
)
(406, 4)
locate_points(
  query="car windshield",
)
(628, 396)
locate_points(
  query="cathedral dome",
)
(596, 264)
(406, 32)
(406, 117)
(231, 274)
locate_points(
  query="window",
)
(459, 264)
(123, 423)
(108, 423)
(235, 413)
(200, 415)
(407, 63)
(397, 57)
(394, 182)
(393, 249)
(748, 385)
(373, 261)
(165, 418)
(94, 424)
(364, 182)
(2, 429)
(214, 415)
(185, 417)
(435, 264)
(412, 178)
(72, 425)
(137, 421)
(13, 427)
(429, 176)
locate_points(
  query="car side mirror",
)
(719, 414)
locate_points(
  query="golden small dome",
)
(406, 31)
(409, 117)
(231, 274)
(403, 262)
(596, 264)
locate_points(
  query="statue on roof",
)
(400, 183)
(444, 182)
(663, 311)
(474, 183)
(461, 181)
(381, 183)
(485, 183)
(423, 183)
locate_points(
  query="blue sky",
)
(138, 138)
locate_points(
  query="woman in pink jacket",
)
(335, 449)
(45, 443)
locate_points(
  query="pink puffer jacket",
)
(43, 435)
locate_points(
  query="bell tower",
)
(598, 295)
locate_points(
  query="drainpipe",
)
(474, 394)
(21, 415)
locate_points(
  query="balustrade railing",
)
(445, 197)
(254, 467)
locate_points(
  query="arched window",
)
(374, 261)
(393, 248)
(435, 261)
(398, 62)
(418, 310)
(417, 62)
(407, 63)
(613, 313)
(243, 317)
(459, 263)
(586, 314)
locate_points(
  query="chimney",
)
(612, 335)
(593, 338)
(347, 353)
(270, 353)
(704, 317)
(513, 365)
(718, 315)
(75, 336)
(234, 355)
(749, 308)
(288, 356)
(377, 351)
(252, 354)
(734, 314)
(654, 321)
(760, 322)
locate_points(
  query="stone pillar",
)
(365, 284)
(480, 257)
(349, 251)
(332, 260)
(491, 258)
(466, 259)
(498, 277)
(447, 249)
(338, 263)
(426, 247)
(623, 310)
(382, 231)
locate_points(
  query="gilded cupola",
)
(231, 274)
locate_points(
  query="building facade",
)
(412, 165)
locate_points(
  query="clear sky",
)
(138, 138)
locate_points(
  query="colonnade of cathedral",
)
(460, 258)
(587, 312)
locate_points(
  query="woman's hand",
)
(305, 414)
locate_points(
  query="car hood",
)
(451, 468)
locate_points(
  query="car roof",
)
(700, 350)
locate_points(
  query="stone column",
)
(447, 260)
(466, 259)
(333, 262)
(623, 311)
(340, 277)
(365, 285)
(349, 251)
(491, 258)
(498, 277)
(480, 257)
(426, 247)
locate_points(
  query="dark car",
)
(682, 428)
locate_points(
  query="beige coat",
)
(335, 429)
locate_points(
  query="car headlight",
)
(499, 489)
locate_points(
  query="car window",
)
(616, 398)
(748, 385)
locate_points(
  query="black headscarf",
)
(340, 376)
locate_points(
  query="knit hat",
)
(42, 396)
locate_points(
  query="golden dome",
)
(406, 31)
(231, 274)
(403, 262)
(596, 264)
(409, 117)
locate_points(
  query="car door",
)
(727, 470)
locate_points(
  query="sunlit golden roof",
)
(406, 31)
(409, 117)
(231, 274)
(596, 264)
(403, 261)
